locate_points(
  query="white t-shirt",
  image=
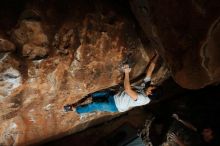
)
(124, 102)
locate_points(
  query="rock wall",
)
(186, 34)
(55, 52)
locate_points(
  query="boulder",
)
(88, 46)
(186, 35)
(29, 35)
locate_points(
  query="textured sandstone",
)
(6, 45)
(186, 33)
(71, 51)
(31, 38)
(65, 51)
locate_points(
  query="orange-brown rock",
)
(6, 45)
(187, 35)
(85, 47)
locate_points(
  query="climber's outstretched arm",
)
(127, 85)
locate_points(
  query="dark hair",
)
(156, 93)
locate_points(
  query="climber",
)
(125, 100)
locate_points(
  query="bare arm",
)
(127, 84)
(187, 124)
(152, 66)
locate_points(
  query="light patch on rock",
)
(3, 57)
(10, 79)
(48, 107)
(75, 65)
(78, 54)
(52, 80)
(8, 136)
(13, 125)
(31, 116)
(37, 61)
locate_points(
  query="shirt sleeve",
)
(142, 100)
